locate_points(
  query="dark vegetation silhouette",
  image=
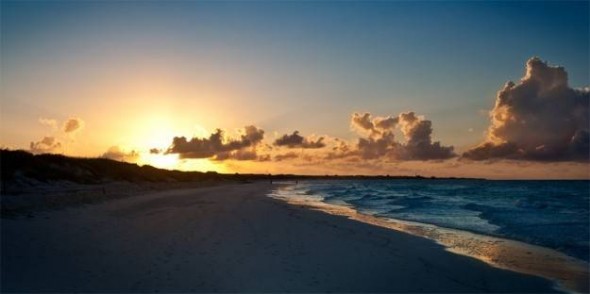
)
(32, 183)
(17, 164)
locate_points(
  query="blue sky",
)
(302, 65)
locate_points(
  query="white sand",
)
(230, 239)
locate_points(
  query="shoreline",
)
(230, 238)
(568, 273)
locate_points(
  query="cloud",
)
(56, 140)
(419, 145)
(46, 145)
(375, 126)
(540, 119)
(115, 153)
(73, 125)
(218, 146)
(286, 156)
(49, 122)
(237, 155)
(362, 121)
(296, 141)
(381, 140)
(253, 135)
(155, 151)
(375, 147)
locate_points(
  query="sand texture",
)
(230, 238)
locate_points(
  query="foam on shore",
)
(568, 273)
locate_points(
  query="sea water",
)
(551, 214)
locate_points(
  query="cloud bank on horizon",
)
(539, 119)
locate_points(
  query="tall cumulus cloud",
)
(540, 119)
(381, 141)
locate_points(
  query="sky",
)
(369, 86)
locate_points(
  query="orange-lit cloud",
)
(73, 125)
(286, 156)
(381, 142)
(116, 153)
(45, 145)
(540, 119)
(55, 142)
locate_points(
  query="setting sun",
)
(294, 146)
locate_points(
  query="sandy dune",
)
(229, 239)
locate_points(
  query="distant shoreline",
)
(21, 165)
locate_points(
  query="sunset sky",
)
(371, 87)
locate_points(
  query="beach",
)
(230, 238)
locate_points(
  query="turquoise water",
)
(553, 214)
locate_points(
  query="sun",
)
(165, 161)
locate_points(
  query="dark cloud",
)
(381, 140)
(296, 141)
(73, 125)
(541, 118)
(115, 153)
(46, 145)
(375, 147)
(252, 135)
(217, 146)
(419, 145)
(155, 151)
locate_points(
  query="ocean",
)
(550, 214)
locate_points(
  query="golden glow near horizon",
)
(139, 80)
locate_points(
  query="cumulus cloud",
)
(374, 126)
(419, 145)
(116, 153)
(218, 146)
(381, 141)
(541, 118)
(72, 125)
(45, 145)
(297, 141)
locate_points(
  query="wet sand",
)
(230, 238)
(569, 273)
